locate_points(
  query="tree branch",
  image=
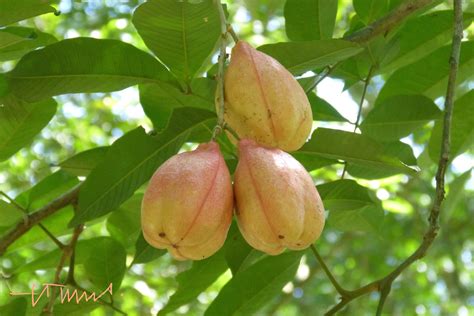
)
(25, 219)
(384, 284)
(387, 22)
(36, 217)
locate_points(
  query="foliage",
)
(99, 94)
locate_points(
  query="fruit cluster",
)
(188, 205)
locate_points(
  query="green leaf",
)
(74, 309)
(82, 163)
(429, 75)
(50, 259)
(311, 161)
(239, 255)
(421, 36)
(124, 223)
(114, 180)
(370, 10)
(31, 39)
(395, 149)
(83, 65)
(9, 214)
(182, 34)
(3, 86)
(20, 122)
(197, 279)
(462, 129)
(365, 219)
(353, 148)
(323, 111)
(159, 100)
(12, 11)
(299, 57)
(252, 288)
(399, 116)
(105, 263)
(348, 72)
(145, 253)
(307, 20)
(16, 306)
(8, 39)
(343, 195)
(46, 190)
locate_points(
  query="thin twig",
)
(330, 276)
(326, 72)
(359, 112)
(384, 284)
(67, 252)
(388, 22)
(36, 217)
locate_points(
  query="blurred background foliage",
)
(440, 284)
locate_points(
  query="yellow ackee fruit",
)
(264, 102)
(187, 207)
(277, 204)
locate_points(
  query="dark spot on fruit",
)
(162, 235)
(298, 244)
(281, 236)
(175, 246)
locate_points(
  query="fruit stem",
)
(219, 97)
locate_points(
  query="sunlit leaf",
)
(14, 10)
(342, 195)
(354, 148)
(181, 33)
(422, 35)
(299, 57)
(31, 39)
(82, 163)
(398, 149)
(105, 263)
(159, 100)
(195, 280)
(9, 214)
(20, 122)
(251, 289)
(429, 75)
(83, 65)
(366, 219)
(398, 116)
(124, 223)
(462, 130)
(370, 10)
(310, 19)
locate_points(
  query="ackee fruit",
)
(277, 204)
(187, 207)
(264, 102)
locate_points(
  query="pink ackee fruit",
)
(187, 207)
